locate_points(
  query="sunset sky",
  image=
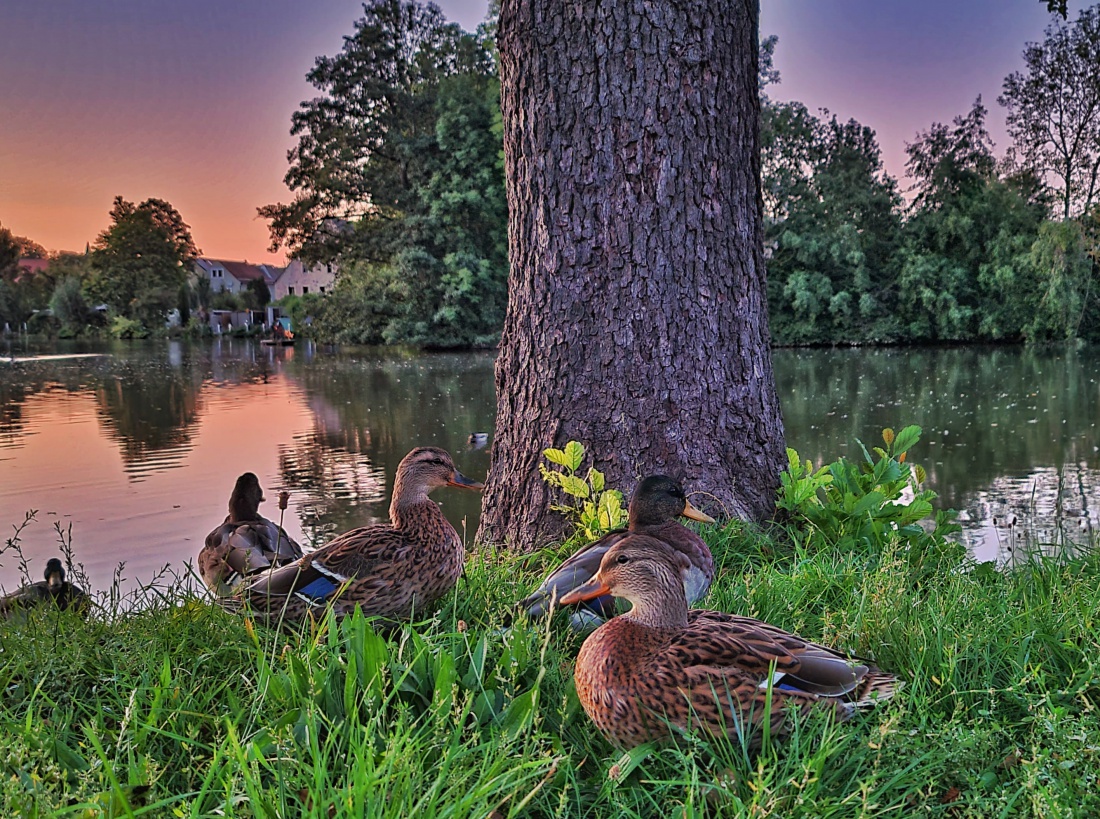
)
(191, 101)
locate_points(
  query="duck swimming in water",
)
(656, 503)
(394, 570)
(53, 589)
(662, 668)
(246, 543)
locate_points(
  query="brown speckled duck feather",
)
(656, 503)
(394, 570)
(662, 668)
(246, 543)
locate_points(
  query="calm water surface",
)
(137, 446)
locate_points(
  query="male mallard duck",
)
(394, 570)
(656, 503)
(661, 666)
(246, 543)
(55, 588)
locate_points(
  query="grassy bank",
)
(182, 710)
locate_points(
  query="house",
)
(236, 276)
(30, 268)
(298, 280)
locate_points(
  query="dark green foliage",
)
(398, 171)
(68, 303)
(832, 230)
(968, 271)
(141, 260)
(256, 295)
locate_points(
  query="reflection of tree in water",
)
(21, 382)
(1008, 432)
(333, 483)
(151, 409)
(986, 412)
(369, 411)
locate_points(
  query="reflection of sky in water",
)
(139, 450)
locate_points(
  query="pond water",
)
(137, 445)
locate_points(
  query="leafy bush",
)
(880, 499)
(68, 302)
(122, 327)
(595, 509)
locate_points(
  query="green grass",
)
(180, 709)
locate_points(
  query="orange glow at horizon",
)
(187, 102)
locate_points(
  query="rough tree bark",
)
(637, 321)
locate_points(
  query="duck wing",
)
(364, 556)
(577, 570)
(719, 643)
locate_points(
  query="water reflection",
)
(139, 448)
(1004, 427)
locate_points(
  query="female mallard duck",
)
(393, 570)
(662, 667)
(246, 543)
(54, 589)
(656, 503)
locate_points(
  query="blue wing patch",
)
(317, 591)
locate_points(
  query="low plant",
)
(867, 503)
(593, 508)
(123, 327)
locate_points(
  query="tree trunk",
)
(637, 320)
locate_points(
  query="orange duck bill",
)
(589, 591)
(695, 514)
(463, 482)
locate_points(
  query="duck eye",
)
(622, 559)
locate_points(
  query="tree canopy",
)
(140, 261)
(398, 172)
(1054, 110)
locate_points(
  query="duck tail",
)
(875, 688)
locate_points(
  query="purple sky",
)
(191, 101)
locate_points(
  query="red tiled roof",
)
(33, 265)
(242, 271)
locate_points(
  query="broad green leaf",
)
(574, 486)
(574, 453)
(595, 477)
(556, 456)
(906, 439)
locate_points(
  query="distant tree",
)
(20, 294)
(68, 303)
(30, 249)
(831, 225)
(404, 145)
(966, 269)
(140, 261)
(362, 144)
(1066, 281)
(256, 294)
(1054, 110)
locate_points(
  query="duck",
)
(390, 570)
(53, 589)
(662, 669)
(656, 503)
(246, 543)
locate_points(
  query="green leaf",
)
(596, 479)
(556, 456)
(574, 453)
(574, 486)
(906, 439)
